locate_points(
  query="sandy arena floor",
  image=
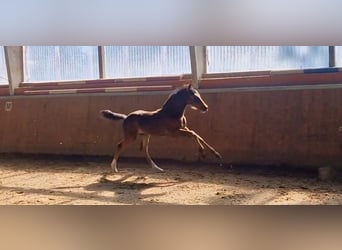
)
(74, 180)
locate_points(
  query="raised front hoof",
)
(220, 162)
(218, 155)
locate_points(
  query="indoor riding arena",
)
(263, 125)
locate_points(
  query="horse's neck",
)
(174, 107)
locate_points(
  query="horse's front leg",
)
(187, 132)
(201, 153)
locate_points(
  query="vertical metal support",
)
(198, 57)
(15, 66)
(102, 63)
(332, 60)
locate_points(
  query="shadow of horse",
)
(130, 190)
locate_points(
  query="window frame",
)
(103, 84)
(198, 75)
(5, 86)
(271, 78)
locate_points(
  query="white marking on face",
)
(196, 93)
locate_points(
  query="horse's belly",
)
(155, 124)
(154, 131)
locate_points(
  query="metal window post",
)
(332, 59)
(198, 64)
(102, 63)
(15, 66)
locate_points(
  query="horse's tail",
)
(111, 115)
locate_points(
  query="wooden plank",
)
(148, 80)
(274, 80)
(43, 91)
(4, 91)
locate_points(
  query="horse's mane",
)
(175, 91)
(173, 98)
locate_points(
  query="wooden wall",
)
(254, 127)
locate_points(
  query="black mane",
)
(176, 103)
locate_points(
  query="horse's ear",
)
(190, 86)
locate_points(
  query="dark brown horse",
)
(168, 120)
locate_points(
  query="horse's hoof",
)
(217, 154)
(158, 168)
(153, 165)
(114, 169)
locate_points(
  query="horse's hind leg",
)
(145, 142)
(119, 149)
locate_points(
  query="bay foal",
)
(168, 120)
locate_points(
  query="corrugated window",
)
(55, 63)
(142, 61)
(223, 59)
(338, 57)
(3, 70)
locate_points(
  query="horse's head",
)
(195, 100)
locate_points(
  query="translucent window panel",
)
(138, 61)
(256, 58)
(338, 56)
(3, 70)
(55, 63)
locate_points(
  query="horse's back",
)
(140, 113)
